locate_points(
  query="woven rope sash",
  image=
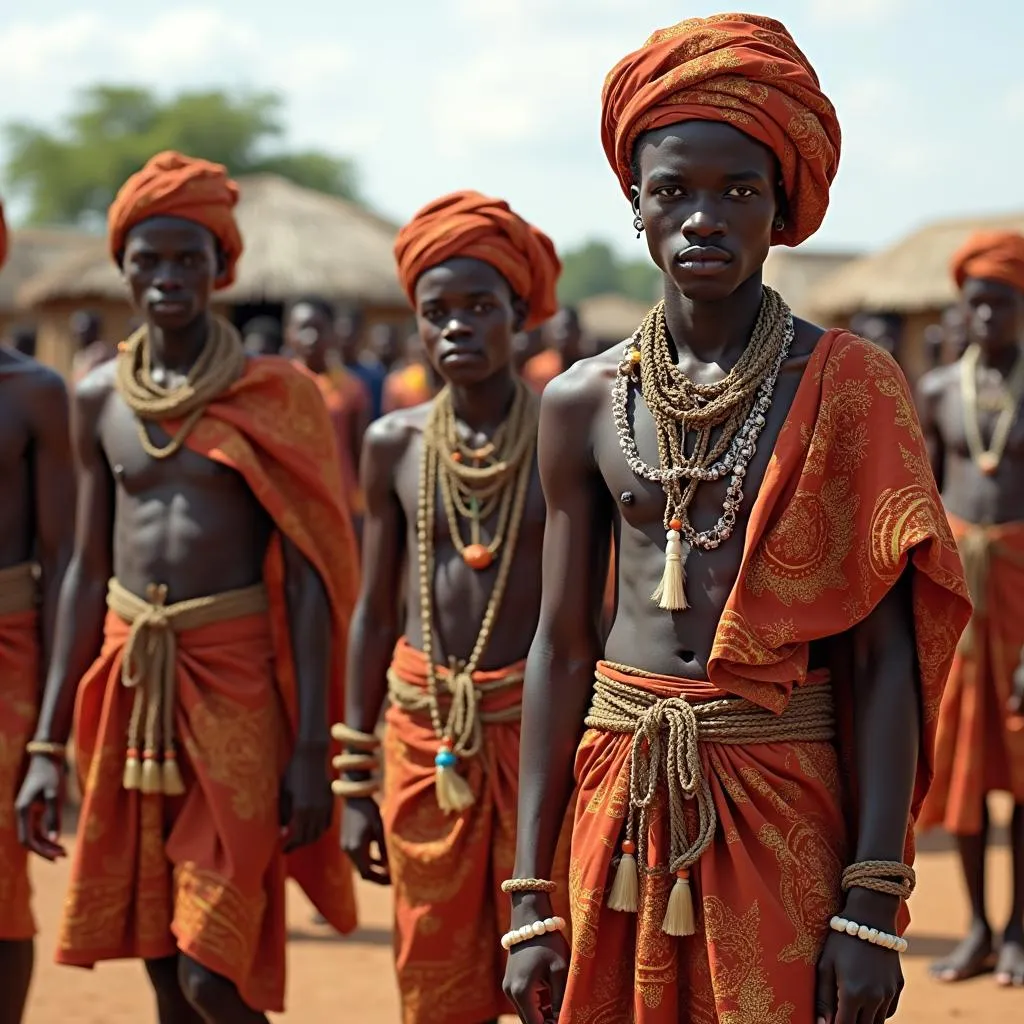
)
(459, 690)
(666, 736)
(19, 588)
(149, 668)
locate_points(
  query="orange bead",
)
(683, 874)
(476, 556)
(675, 524)
(634, 356)
(988, 463)
(456, 456)
(629, 847)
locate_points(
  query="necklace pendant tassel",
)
(453, 792)
(671, 591)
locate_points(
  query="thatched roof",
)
(31, 251)
(911, 276)
(297, 241)
(795, 273)
(611, 317)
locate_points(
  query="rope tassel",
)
(453, 793)
(625, 894)
(671, 591)
(680, 919)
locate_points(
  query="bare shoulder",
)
(584, 388)
(94, 389)
(388, 438)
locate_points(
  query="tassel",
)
(671, 592)
(625, 894)
(152, 779)
(679, 917)
(132, 770)
(173, 784)
(453, 792)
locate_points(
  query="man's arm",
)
(375, 627)
(81, 608)
(887, 729)
(54, 479)
(929, 391)
(560, 668)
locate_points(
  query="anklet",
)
(866, 934)
(532, 931)
(517, 885)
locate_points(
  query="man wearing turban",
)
(35, 542)
(451, 492)
(205, 613)
(971, 412)
(757, 735)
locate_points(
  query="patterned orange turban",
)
(3, 237)
(993, 255)
(470, 224)
(741, 69)
(173, 185)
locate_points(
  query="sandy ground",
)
(333, 979)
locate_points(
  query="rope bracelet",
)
(512, 886)
(45, 748)
(866, 934)
(879, 875)
(353, 737)
(532, 931)
(351, 789)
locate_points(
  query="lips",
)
(703, 255)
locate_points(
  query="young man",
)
(311, 341)
(36, 483)
(789, 594)
(210, 587)
(452, 494)
(970, 412)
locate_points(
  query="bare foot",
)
(972, 957)
(1010, 966)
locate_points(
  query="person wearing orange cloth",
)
(757, 735)
(210, 588)
(971, 412)
(36, 531)
(411, 381)
(553, 349)
(453, 502)
(309, 337)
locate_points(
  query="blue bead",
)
(445, 759)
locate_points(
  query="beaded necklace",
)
(725, 418)
(987, 459)
(502, 484)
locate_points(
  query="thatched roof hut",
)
(610, 317)
(796, 273)
(909, 277)
(297, 242)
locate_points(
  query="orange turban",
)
(3, 237)
(472, 225)
(741, 69)
(993, 255)
(173, 185)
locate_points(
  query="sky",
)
(504, 95)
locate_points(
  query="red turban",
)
(173, 185)
(993, 255)
(745, 71)
(472, 225)
(3, 237)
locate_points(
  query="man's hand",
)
(39, 806)
(859, 982)
(361, 831)
(537, 969)
(306, 799)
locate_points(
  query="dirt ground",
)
(333, 979)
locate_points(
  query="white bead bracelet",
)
(866, 934)
(532, 931)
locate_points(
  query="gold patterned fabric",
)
(742, 70)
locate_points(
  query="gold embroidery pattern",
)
(742, 992)
(240, 748)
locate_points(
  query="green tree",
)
(594, 268)
(72, 174)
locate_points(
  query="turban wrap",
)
(3, 237)
(742, 70)
(475, 226)
(993, 255)
(173, 185)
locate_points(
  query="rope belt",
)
(149, 668)
(463, 695)
(19, 588)
(667, 733)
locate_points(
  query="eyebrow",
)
(734, 177)
(480, 293)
